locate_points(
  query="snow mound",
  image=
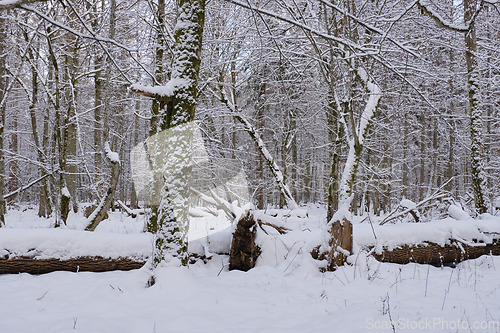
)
(458, 213)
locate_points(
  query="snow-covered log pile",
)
(436, 242)
(40, 251)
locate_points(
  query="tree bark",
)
(340, 243)
(177, 108)
(80, 264)
(434, 254)
(244, 251)
(3, 96)
(335, 135)
(475, 113)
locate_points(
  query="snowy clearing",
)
(284, 293)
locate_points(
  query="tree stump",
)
(244, 251)
(340, 243)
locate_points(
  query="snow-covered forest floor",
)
(285, 292)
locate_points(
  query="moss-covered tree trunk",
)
(177, 105)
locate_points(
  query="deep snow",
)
(284, 293)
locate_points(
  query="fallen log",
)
(88, 264)
(435, 254)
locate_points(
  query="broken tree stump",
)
(244, 251)
(340, 243)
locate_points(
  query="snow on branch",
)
(342, 41)
(233, 212)
(359, 133)
(440, 21)
(408, 206)
(23, 188)
(112, 156)
(371, 27)
(371, 105)
(166, 90)
(11, 4)
(250, 129)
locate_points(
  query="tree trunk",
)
(335, 134)
(80, 264)
(3, 96)
(244, 251)
(475, 113)
(177, 110)
(340, 242)
(359, 133)
(45, 204)
(54, 79)
(70, 135)
(421, 181)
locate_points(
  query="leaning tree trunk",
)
(278, 175)
(341, 227)
(101, 211)
(359, 133)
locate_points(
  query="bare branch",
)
(12, 4)
(441, 22)
(347, 43)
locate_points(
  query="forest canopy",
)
(317, 100)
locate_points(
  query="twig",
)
(408, 210)
(21, 189)
(436, 195)
(281, 230)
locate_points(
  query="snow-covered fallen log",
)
(63, 244)
(40, 251)
(436, 242)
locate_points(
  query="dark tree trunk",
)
(244, 251)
